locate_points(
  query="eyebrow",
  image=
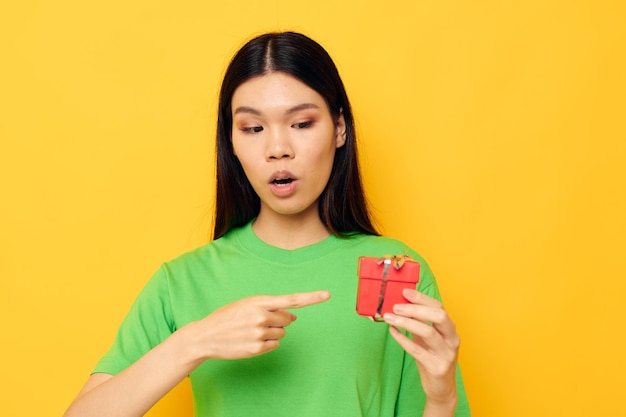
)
(299, 107)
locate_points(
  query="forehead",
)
(275, 90)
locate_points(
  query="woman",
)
(291, 222)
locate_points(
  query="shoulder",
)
(373, 245)
(377, 246)
(210, 253)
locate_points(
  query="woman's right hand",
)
(248, 327)
(245, 328)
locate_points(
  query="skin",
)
(281, 128)
(281, 125)
(245, 328)
(435, 348)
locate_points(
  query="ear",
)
(340, 130)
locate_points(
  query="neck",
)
(290, 232)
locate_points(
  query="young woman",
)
(291, 222)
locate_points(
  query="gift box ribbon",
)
(387, 260)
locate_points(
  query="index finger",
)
(416, 297)
(296, 300)
(431, 310)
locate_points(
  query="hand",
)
(248, 327)
(435, 348)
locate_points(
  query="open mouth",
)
(282, 181)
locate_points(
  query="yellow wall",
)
(493, 142)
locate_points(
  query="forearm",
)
(248, 327)
(135, 390)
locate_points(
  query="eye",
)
(302, 125)
(253, 129)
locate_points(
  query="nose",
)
(279, 145)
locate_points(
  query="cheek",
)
(326, 154)
(322, 162)
(242, 156)
(254, 173)
(241, 152)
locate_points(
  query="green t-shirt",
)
(332, 362)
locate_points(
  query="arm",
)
(248, 327)
(435, 349)
(135, 390)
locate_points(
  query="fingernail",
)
(390, 318)
(399, 308)
(324, 295)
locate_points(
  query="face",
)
(285, 139)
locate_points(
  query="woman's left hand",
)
(435, 347)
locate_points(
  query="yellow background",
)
(494, 142)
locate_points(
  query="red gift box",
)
(381, 281)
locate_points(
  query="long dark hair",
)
(343, 207)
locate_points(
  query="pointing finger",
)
(297, 300)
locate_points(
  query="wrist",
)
(443, 407)
(192, 351)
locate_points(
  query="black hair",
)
(343, 207)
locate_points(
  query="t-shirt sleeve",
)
(148, 323)
(411, 397)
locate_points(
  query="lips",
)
(282, 178)
(283, 183)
